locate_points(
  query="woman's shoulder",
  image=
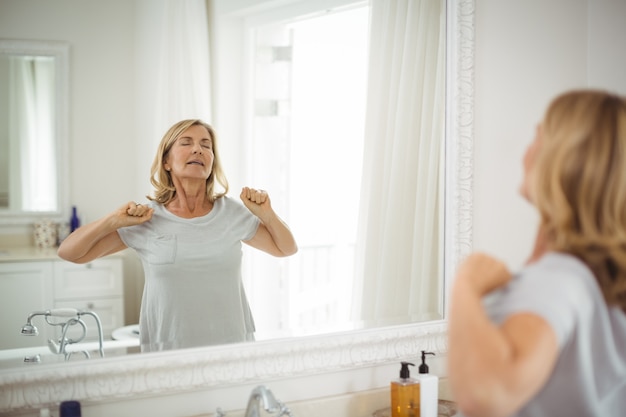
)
(226, 206)
(153, 204)
(228, 203)
(555, 262)
(558, 287)
(559, 274)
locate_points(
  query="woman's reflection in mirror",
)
(188, 236)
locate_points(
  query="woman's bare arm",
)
(494, 370)
(273, 235)
(100, 238)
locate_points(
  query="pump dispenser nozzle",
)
(404, 371)
(423, 369)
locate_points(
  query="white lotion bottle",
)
(429, 392)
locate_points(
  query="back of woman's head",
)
(579, 184)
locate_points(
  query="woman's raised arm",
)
(100, 238)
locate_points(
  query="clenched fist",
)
(131, 214)
(483, 272)
(258, 202)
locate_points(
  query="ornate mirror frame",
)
(230, 365)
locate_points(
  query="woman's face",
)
(529, 162)
(191, 156)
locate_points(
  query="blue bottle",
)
(74, 220)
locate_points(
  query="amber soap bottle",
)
(405, 394)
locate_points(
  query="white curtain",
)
(183, 90)
(31, 127)
(400, 227)
(173, 73)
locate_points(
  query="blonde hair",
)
(579, 184)
(161, 179)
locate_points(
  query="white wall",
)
(607, 53)
(526, 53)
(101, 136)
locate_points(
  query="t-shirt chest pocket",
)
(162, 249)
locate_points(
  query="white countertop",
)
(32, 253)
(28, 253)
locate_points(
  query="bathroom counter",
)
(28, 253)
(446, 409)
(33, 253)
(359, 404)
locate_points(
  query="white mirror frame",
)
(231, 365)
(61, 52)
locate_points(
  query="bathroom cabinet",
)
(96, 286)
(25, 287)
(37, 280)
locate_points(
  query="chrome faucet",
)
(73, 317)
(262, 394)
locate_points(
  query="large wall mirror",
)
(220, 366)
(34, 91)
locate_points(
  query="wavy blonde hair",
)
(161, 179)
(579, 184)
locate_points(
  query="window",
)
(306, 113)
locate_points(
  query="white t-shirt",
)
(193, 294)
(589, 379)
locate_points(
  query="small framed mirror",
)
(34, 93)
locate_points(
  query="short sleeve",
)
(556, 288)
(242, 222)
(135, 237)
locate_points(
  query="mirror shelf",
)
(231, 365)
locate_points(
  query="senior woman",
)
(188, 237)
(551, 340)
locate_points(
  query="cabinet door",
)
(99, 278)
(110, 311)
(25, 287)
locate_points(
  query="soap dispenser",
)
(429, 389)
(405, 394)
